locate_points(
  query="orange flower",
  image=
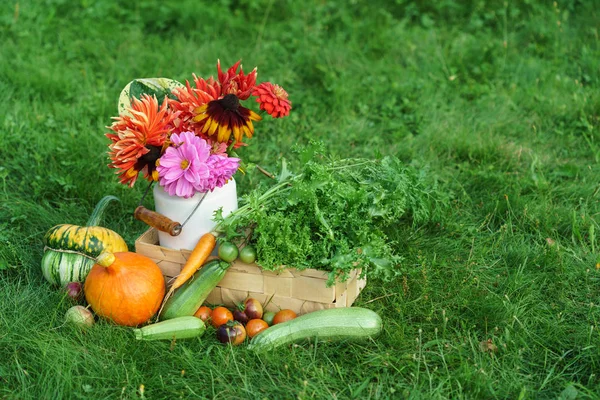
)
(138, 138)
(214, 107)
(189, 99)
(226, 117)
(272, 99)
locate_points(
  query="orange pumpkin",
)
(126, 288)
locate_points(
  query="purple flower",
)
(183, 166)
(222, 169)
(187, 166)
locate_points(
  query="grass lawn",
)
(499, 101)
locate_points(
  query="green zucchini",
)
(188, 298)
(176, 328)
(353, 323)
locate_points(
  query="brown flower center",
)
(152, 155)
(230, 102)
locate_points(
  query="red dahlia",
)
(272, 99)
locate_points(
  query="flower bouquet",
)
(185, 137)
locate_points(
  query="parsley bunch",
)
(333, 215)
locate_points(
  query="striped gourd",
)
(70, 250)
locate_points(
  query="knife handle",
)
(158, 221)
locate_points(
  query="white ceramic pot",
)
(179, 209)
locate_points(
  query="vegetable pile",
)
(127, 289)
(334, 215)
(70, 250)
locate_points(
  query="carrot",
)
(206, 244)
(201, 251)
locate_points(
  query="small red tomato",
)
(283, 316)
(255, 326)
(253, 308)
(204, 313)
(231, 332)
(221, 315)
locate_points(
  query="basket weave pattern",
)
(302, 291)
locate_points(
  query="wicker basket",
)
(302, 291)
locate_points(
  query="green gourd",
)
(70, 250)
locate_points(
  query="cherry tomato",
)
(268, 317)
(231, 332)
(283, 316)
(228, 252)
(204, 313)
(248, 254)
(255, 326)
(253, 308)
(221, 315)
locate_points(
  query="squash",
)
(172, 329)
(345, 323)
(189, 297)
(126, 288)
(70, 250)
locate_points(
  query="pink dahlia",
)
(222, 169)
(183, 168)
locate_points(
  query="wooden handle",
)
(158, 221)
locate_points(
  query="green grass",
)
(498, 100)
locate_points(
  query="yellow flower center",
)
(280, 92)
(233, 87)
(184, 164)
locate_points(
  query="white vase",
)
(201, 221)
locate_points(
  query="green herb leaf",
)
(333, 215)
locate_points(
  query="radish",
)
(79, 316)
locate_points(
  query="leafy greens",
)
(333, 215)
